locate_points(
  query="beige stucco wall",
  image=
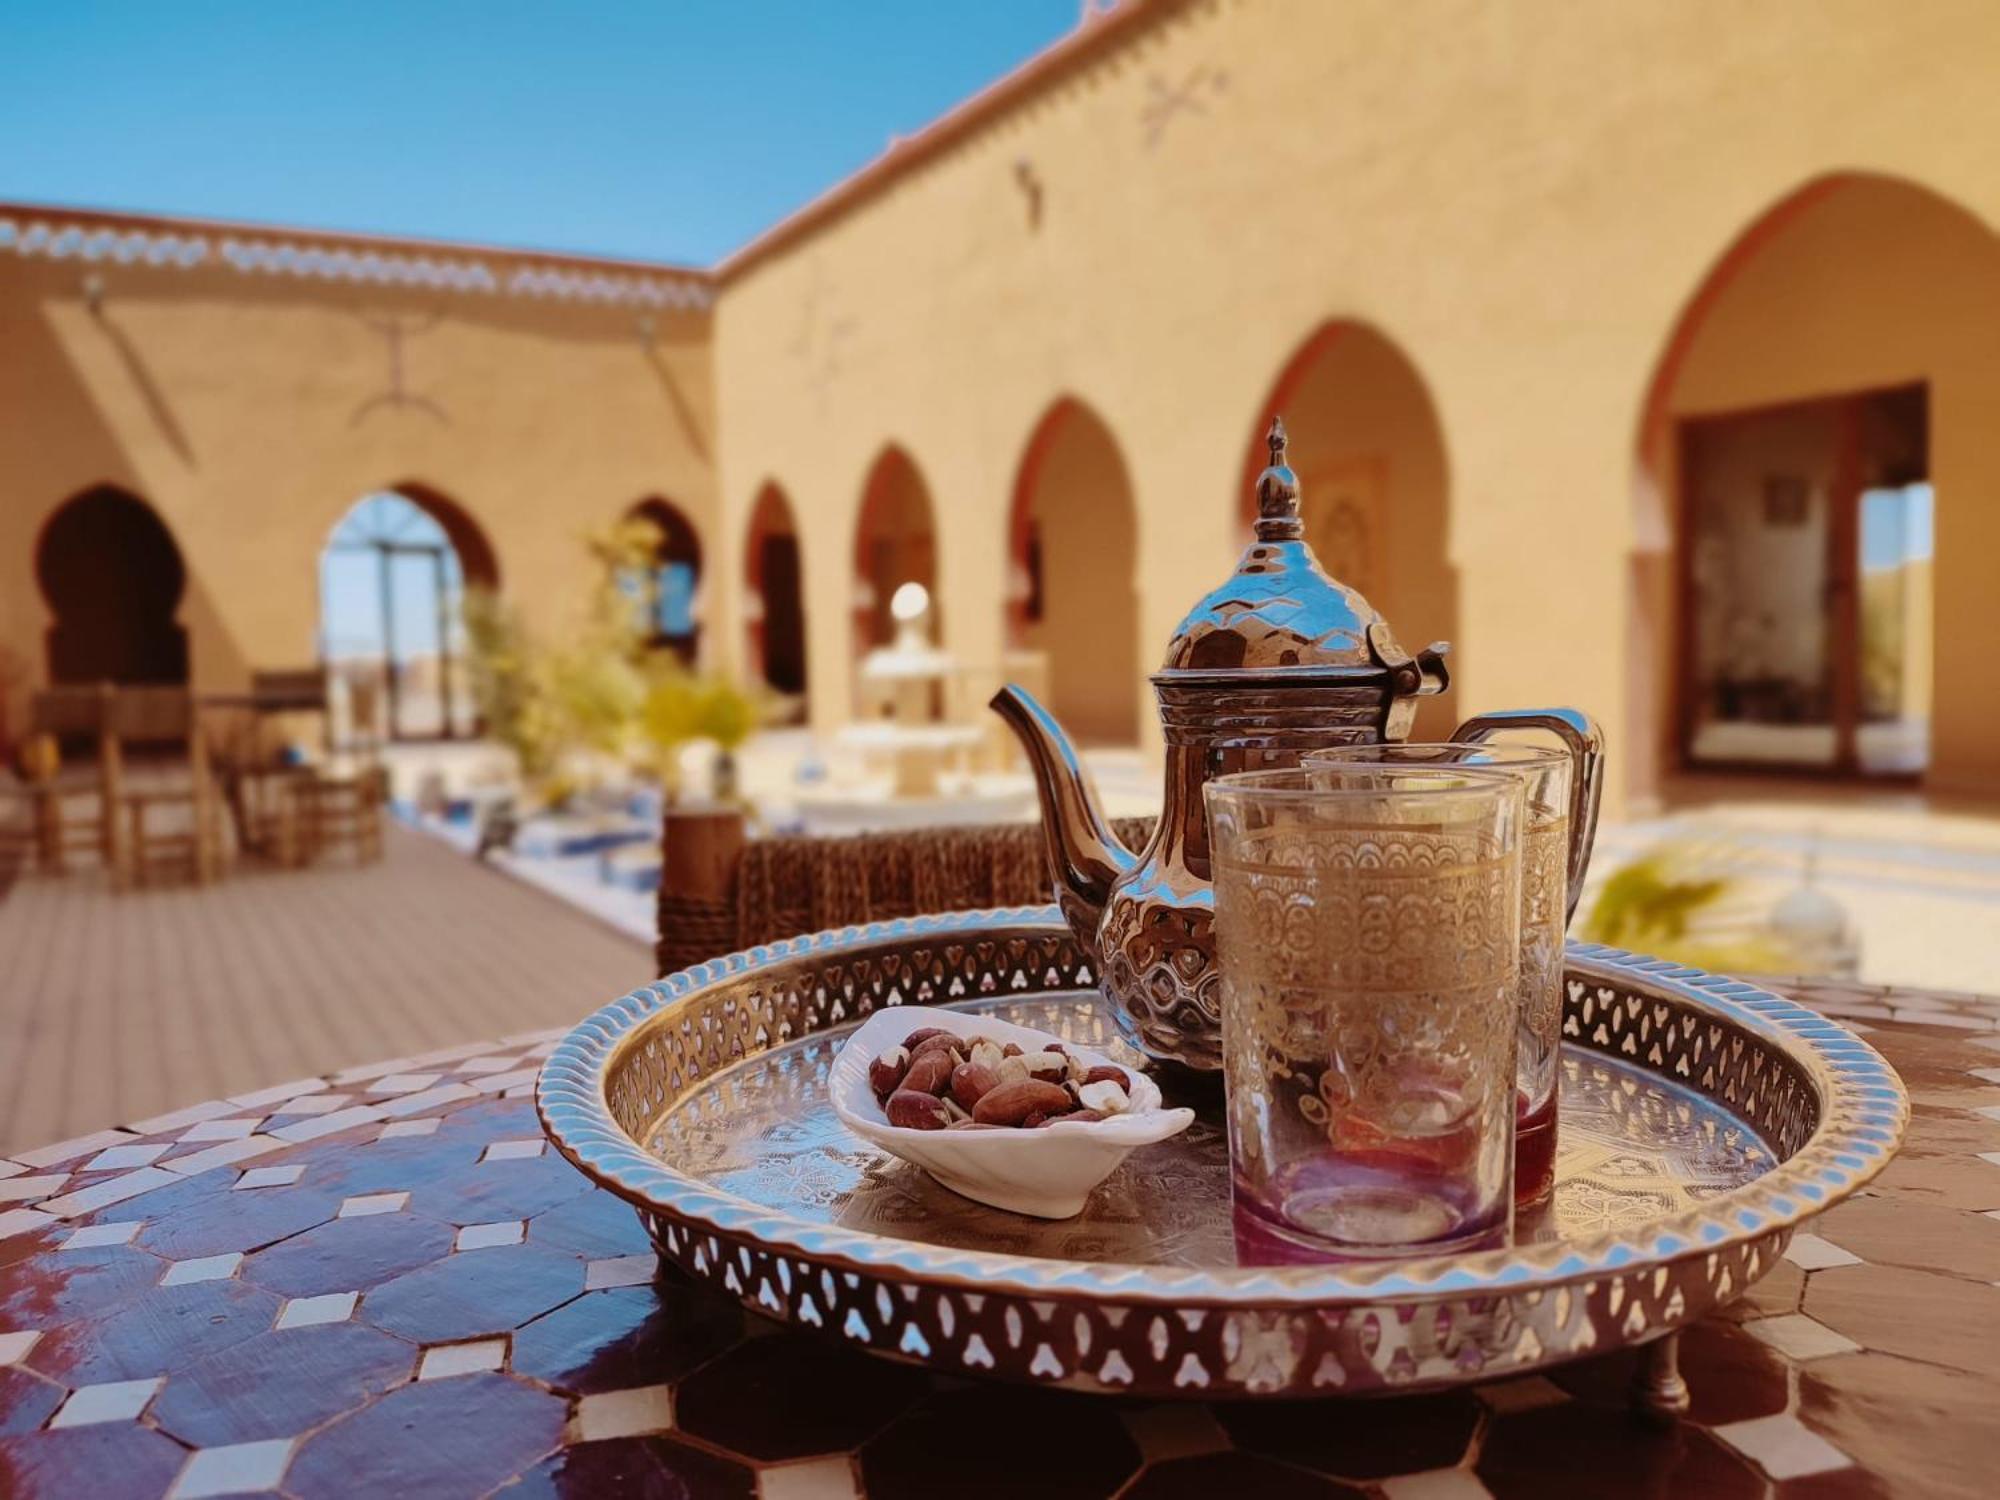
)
(1523, 198)
(233, 405)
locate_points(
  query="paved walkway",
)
(1918, 881)
(116, 1007)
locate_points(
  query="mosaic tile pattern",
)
(394, 1290)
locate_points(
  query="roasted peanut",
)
(915, 1111)
(970, 1083)
(1105, 1073)
(1052, 1066)
(943, 1041)
(929, 1073)
(1012, 1103)
(885, 1074)
(1106, 1096)
(921, 1035)
(1075, 1114)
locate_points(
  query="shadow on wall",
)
(677, 401)
(150, 394)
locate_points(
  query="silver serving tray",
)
(1703, 1120)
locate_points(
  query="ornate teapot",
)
(1278, 661)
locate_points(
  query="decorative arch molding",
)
(179, 245)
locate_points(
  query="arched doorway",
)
(1828, 384)
(1369, 453)
(393, 578)
(1072, 599)
(774, 601)
(895, 542)
(668, 591)
(113, 578)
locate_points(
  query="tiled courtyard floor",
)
(120, 1006)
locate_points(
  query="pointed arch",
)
(1072, 598)
(1376, 480)
(393, 578)
(895, 542)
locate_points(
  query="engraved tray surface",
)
(1634, 1148)
(1703, 1119)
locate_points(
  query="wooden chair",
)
(192, 837)
(67, 814)
(294, 690)
(266, 805)
(291, 690)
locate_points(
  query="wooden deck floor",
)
(115, 1007)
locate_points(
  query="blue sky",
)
(1896, 526)
(656, 129)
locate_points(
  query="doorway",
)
(666, 595)
(113, 579)
(774, 603)
(1806, 587)
(392, 591)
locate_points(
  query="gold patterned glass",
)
(1546, 830)
(1367, 924)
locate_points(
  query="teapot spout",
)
(1084, 853)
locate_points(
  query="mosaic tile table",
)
(382, 1283)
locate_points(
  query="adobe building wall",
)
(1482, 257)
(1523, 199)
(251, 410)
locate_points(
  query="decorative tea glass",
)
(1546, 776)
(1367, 924)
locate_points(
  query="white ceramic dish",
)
(1047, 1172)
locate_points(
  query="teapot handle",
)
(1585, 743)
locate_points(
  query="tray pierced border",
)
(1863, 1112)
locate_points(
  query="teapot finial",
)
(1278, 492)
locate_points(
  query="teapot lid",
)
(1279, 611)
